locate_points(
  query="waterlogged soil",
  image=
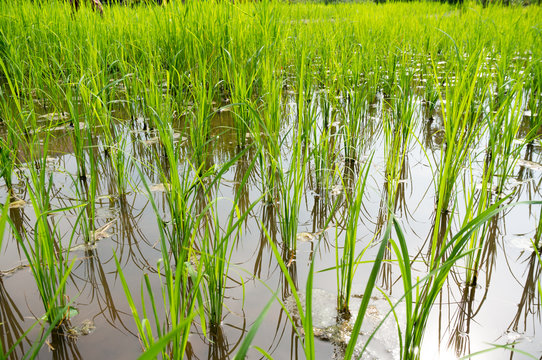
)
(503, 308)
(329, 325)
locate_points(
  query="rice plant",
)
(462, 120)
(348, 260)
(292, 183)
(49, 259)
(216, 249)
(179, 282)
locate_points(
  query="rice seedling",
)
(8, 352)
(292, 183)
(352, 127)
(202, 94)
(502, 152)
(48, 258)
(462, 126)
(305, 311)
(241, 76)
(216, 249)
(421, 295)
(399, 128)
(171, 336)
(7, 163)
(348, 261)
(179, 281)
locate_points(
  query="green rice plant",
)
(348, 261)
(305, 311)
(7, 162)
(352, 127)
(85, 191)
(12, 119)
(199, 128)
(421, 295)
(98, 103)
(177, 62)
(533, 86)
(266, 135)
(503, 127)
(216, 246)
(170, 338)
(462, 126)
(241, 76)
(215, 251)
(48, 258)
(181, 188)
(305, 96)
(292, 185)
(180, 182)
(391, 62)
(399, 128)
(122, 161)
(431, 94)
(179, 283)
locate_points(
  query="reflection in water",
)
(400, 201)
(97, 291)
(130, 237)
(466, 310)
(217, 343)
(529, 303)
(437, 237)
(244, 176)
(385, 273)
(288, 256)
(269, 221)
(11, 320)
(459, 338)
(65, 347)
(219, 348)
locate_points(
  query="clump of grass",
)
(462, 119)
(216, 247)
(49, 260)
(179, 281)
(292, 186)
(7, 163)
(352, 126)
(348, 261)
(421, 295)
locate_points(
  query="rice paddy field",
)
(270, 180)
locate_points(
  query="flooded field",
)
(270, 180)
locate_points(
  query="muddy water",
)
(502, 309)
